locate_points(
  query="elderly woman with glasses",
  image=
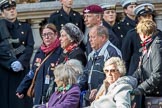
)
(70, 38)
(115, 91)
(44, 62)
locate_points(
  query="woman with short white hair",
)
(115, 91)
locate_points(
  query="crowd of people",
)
(89, 60)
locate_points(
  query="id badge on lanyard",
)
(47, 79)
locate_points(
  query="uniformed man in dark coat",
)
(15, 61)
(128, 22)
(66, 15)
(110, 21)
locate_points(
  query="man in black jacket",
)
(66, 15)
(128, 22)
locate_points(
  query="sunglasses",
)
(111, 70)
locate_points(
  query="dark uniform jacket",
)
(112, 36)
(130, 51)
(9, 80)
(6, 54)
(46, 68)
(150, 71)
(123, 27)
(60, 18)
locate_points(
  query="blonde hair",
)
(118, 62)
(146, 27)
(67, 73)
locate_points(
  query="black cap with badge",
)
(7, 3)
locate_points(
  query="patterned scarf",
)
(71, 47)
(145, 43)
(51, 47)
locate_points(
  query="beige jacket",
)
(118, 94)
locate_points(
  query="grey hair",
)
(118, 62)
(74, 33)
(66, 73)
(102, 30)
(76, 64)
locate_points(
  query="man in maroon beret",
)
(97, 49)
(92, 17)
(93, 9)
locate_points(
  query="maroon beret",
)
(93, 9)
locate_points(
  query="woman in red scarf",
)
(70, 38)
(45, 59)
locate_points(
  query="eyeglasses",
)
(49, 34)
(111, 70)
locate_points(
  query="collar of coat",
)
(103, 52)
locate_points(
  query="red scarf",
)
(71, 47)
(51, 47)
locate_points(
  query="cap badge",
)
(133, 3)
(10, 2)
(146, 8)
(86, 11)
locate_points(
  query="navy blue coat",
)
(94, 67)
(112, 36)
(9, 80)
(123, 27)
(130, 51)
(60, 18)
(46, 68)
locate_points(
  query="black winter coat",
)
(9, 80)
(60, 18)
(76, 53)
(112, 36)
(46, 68)
(130, 51)
(123, 27)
